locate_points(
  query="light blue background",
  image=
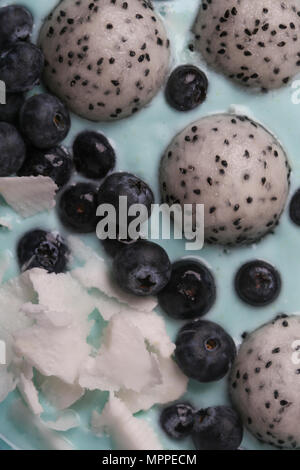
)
(140, 142)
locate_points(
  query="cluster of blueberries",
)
(31, 131)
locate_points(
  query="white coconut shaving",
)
(153, 329)
(96, 275)
(4, 264)
(107, 307)
(7, 382)
(59, 394)
(29, 423)
(173, 385)
(123, 360)
(45, 320)
(28, 195)
(66, 420)
(79, 249)
(5, 223)
(13, 295)
(30, 394)
(53, 350)
(62, 293)
(129, 432)
(8, 379)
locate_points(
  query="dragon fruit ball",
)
(265, 379)
(255, 43)
(105, 59)
(233, 166)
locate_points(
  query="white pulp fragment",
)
(129, 432)
(28, 195)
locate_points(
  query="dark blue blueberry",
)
(128, 185)
(55, 163)
(41, 249)
(94, 157)
(16, 24)
(113, 246)
(295, 208)
(191, 291)
(258, 283)
(186, 88)
(12, 149)
(217, 428)
(21, 66)
(9, 112)
(78, 207)
(178, 420)
(44, 120)
(204, 351)
(142, 268)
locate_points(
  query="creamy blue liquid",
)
(139, 142)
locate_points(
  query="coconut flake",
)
(4, 264)
(28, 195)
(95, 274)
(13, 295)
(107, 307)
(7, 383)
(30, 394)
(62, 293)
(79, 249)
(173, 386)
(66, 420)
(60, 394)
(128, 432)
(4, 223)
(45, 317)
(53, 350)
(153, 329)
(122, 362)
(33, 425)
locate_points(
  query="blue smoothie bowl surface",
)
(139, 142)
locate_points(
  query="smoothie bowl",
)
(118, 337)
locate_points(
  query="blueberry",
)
(55, 163)
(16, 24)
(12, 149)
(78, 207)
(113, 246)
(9, 112)
(217, 428)
(191, 291)
(21, 66)
(258, 283)
(41, 249)
(128, 185)
(186, 88)
(44, 120)
(204, 351)
(142, 268)
(295, 208)
(94, 157)
(178, 420)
